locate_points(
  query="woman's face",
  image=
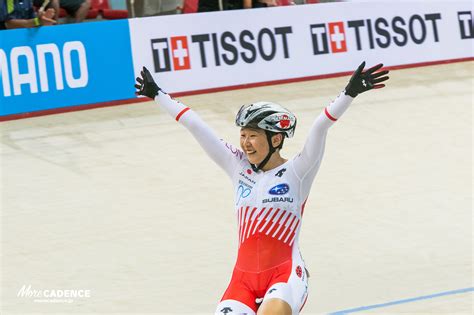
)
(254, 144)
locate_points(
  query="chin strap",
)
(272, 150)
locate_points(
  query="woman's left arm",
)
(308, 161)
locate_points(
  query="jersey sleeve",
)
(222, 153)
(306, 164)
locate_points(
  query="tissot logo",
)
(466, 24)
(381, 32)
(219, 49)
(175, 49)
(336, 37)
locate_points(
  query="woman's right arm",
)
(220, 152)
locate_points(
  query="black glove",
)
(364, 81)
(146, 85)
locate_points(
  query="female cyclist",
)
(270, 192)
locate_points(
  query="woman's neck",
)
(275, 161)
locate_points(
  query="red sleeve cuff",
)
(181, 113)
(329, 115)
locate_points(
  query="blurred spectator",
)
(263, 3)
(54, 4)
(143, 8)
(20, 14)
(76, 8)
(219, 5)
(189, 6)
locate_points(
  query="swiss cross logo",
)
(337, 37)
(332, 35)
(466, 24)
(175, 49)
(180, 52)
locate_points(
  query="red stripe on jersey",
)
(252, 222)
(302, 207)
(276, 224)
(293, 234)
(268, 221)
(306, 298)
(254, 226)
(239, 216)
(242, 218)
(248, 223)
(287, 228)
(181, 113)
(261, 222)
(329, 115)
(239, 219)
(292, 230)
(283, 224)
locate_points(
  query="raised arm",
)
(308, 161)
(222, 153)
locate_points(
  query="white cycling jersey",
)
(269, 204)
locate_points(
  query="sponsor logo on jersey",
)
(226, 310)
(299, 271)
(279, 189)
(280, 172)
(234, 151)
(278, 199)
(243, 191)
(246, 177)
(242, 183)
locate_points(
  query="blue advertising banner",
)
(67, 65)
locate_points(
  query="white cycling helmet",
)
(267, 116)
(272, 118)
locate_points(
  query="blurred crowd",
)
(37, 13)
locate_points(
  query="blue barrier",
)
(67, 65)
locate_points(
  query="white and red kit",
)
(269, 206)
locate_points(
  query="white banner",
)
(221, 49)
